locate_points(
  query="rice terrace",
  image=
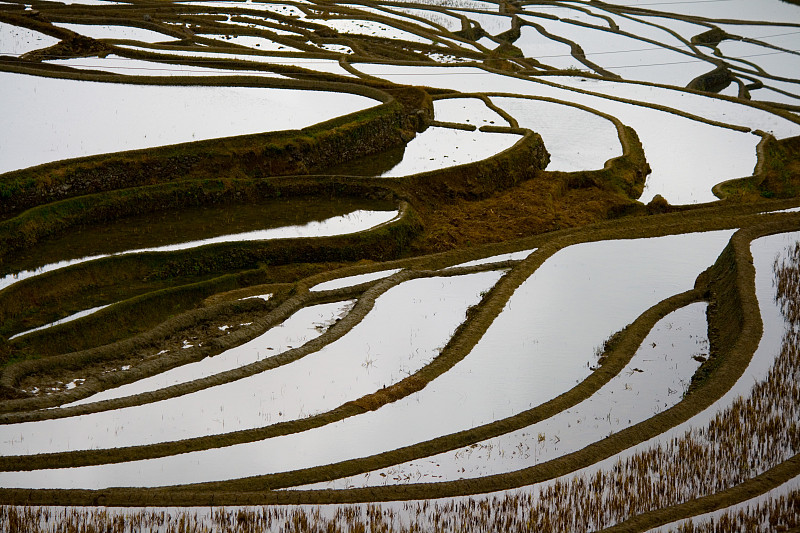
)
(385, 265)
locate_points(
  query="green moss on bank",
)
(250, 156)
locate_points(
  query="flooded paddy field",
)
(452, 265)
(194, 228)
(82, 126)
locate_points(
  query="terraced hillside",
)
(445, 265)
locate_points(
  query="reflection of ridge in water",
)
(353, 222)
(70, 318)
(371, 165)
(181, 224)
